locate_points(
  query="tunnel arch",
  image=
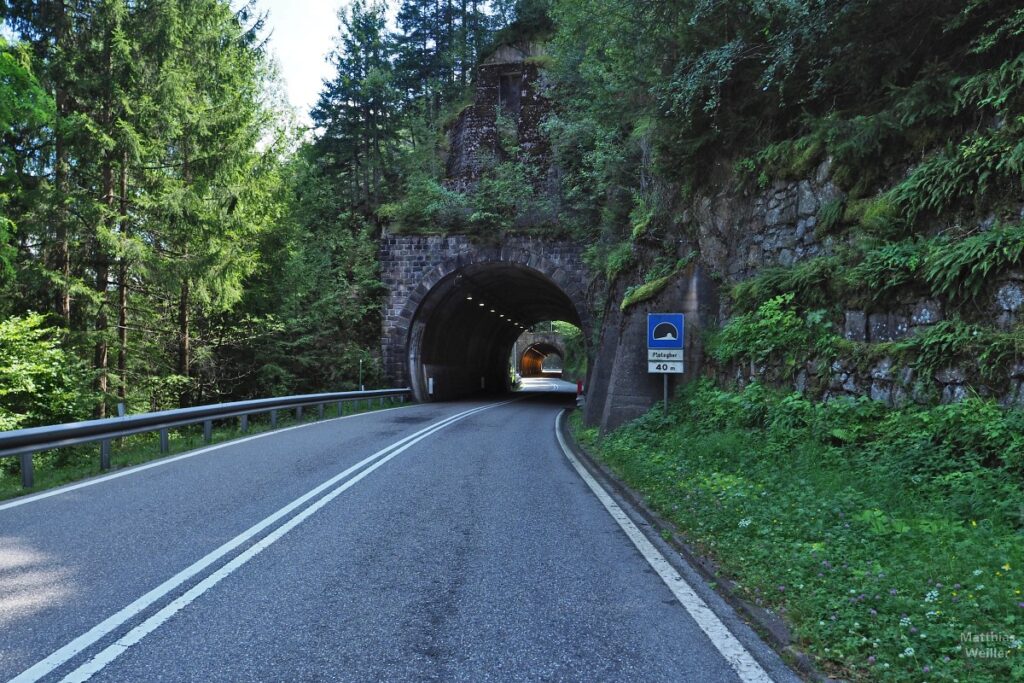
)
(534, 357)
(456, 347)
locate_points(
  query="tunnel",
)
(464, 329)
(541, 359)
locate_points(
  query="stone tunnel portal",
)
(465, 328)
(541, 359)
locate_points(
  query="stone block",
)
(783, 214)
(883, 369)
(881, 391)
(899, 326)
(855, 326)
(954, 393)
(807, 203)
(879, 327)
(951, 375)
(926, 312)
(1010, 297)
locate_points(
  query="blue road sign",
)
(665, 330)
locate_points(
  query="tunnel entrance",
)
(540, 360)
(463, 332)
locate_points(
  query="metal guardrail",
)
(25, 442)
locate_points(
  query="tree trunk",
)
(101, 354)
(62, 251)
(184, 340)
(122, 288)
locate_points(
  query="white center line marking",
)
(111, 623)
(721, 637)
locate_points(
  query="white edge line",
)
(92, 481)
(738, 657)
(62, 655)
(134, 636)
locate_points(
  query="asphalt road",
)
(389, 546)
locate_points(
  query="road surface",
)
(450, 542)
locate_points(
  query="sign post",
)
(666, 334)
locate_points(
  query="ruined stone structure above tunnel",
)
(507, 84)
(434, 326)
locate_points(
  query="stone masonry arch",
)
(456, 307)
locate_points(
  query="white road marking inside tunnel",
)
(738, 657)
(135, 469)
(115, 621)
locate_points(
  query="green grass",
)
(882, 537)
(67, 465)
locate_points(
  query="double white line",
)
(110, 624)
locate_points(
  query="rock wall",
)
(742, 233)
(619, 388)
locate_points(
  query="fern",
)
(963, 268)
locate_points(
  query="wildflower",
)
(909, 652)
(1006, 567)
(926, 669)
(931, 596)
(871, 659)
(977, 572)
(904, 621)
(893, 591)
(745, 522)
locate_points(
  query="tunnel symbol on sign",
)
(666, 332)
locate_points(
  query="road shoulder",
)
(762, 633)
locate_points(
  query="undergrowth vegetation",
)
(956, 269)
(887, 539)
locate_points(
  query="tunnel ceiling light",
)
(469, 297)
(492, 310)
(481, 304)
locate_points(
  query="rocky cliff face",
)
(738, 234)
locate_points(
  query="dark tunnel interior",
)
(463, 332)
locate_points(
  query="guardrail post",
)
(381, 401)
(207, 431)
(320, 411)
(105, 454)
(243, 423)
(165, 441)
(298, 413)
(341, 408)
(28, 478)
(273, 419)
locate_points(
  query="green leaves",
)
(774, 333)
(41, 382)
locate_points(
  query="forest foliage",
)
(160, 207)
(169, 229)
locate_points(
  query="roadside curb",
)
(770, 626)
